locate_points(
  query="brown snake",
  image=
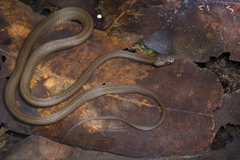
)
(27, 63)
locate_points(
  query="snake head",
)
(163, 60)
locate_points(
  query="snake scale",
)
(26, 64)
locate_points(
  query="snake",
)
(27, 62)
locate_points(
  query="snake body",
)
(27, 63)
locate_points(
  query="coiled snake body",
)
(27, 63)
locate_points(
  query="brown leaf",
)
(228, 112)
(199, 30)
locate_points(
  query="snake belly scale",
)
(27, 63)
